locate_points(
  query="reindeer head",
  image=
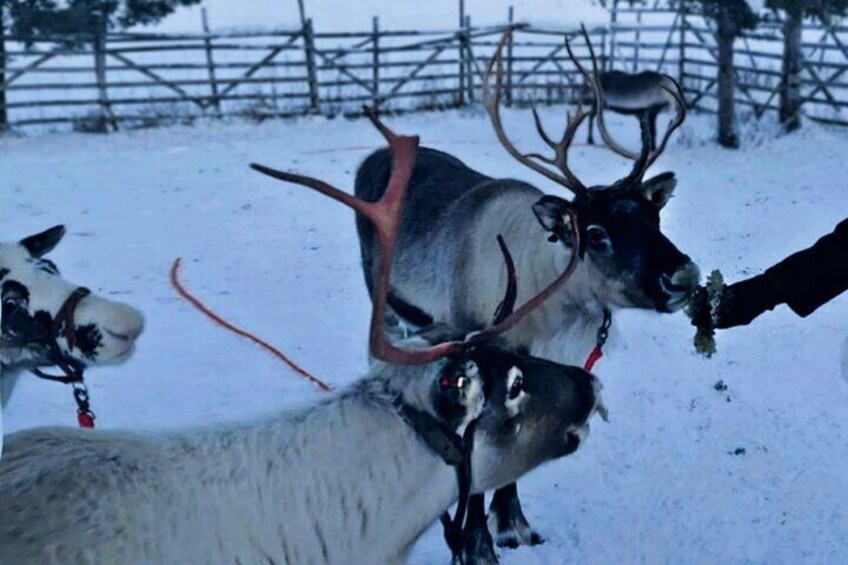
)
(534, 411)
(637, 265)
(44, 315)
(527, 410)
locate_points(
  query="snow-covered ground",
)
(682, 473)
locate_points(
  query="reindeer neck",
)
(359, 481)
(563, 329)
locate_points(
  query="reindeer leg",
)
(652, 124)
(7, 383)
(591, 138)
(479, 548)
(507, 520)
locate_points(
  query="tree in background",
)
(793, 55)
(33, 19)
(731, 18)
(74, 23)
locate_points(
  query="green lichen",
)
(704, 340)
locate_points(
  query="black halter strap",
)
(455, 451)
(453, 528)
(63, 322)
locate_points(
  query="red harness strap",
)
(603, 334)
(593, 357)
(85, 417)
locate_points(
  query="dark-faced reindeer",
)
(447, 272)
(50, 322)
(645, 94)
(356, 478)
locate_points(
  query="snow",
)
(757, 6)
(661, 483)
(337, 15)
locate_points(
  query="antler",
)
(560, 160)
(594, 81)
(645, 158)
(385, 215)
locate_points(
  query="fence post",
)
(681, 63)
(210, 63)
(509, 59)
(604, 57)
(460, 98)
(375, 61)
(4, 112)
(469, 73)
(638, 39)
(309, 52)
(99, 44)
(613, 42)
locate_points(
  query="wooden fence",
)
(683, 46)
(137, 80)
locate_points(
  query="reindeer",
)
(47, 321)
(355, 478)
(446, 272)
(644, 94)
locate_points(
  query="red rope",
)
(175, 268)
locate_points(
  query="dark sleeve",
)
(814, 276)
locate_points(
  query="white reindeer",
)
(351, 479)
(47, 321)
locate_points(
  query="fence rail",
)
(136, 80)
(144, 79)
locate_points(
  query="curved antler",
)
(385, 215)
(645, 158)
(594, 81)
(560, 160)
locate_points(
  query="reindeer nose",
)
(682, 282)
(686, 278)
(125, 323)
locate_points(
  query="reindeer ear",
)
(42, 243)
(658, 190)
(552, 213)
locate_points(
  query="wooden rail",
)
(141, 79)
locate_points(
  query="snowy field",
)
(683, 473)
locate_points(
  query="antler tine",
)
(507, 305)
(646, 157)
(492, 105)
(594, 80)
(640, 165)
(679, 117)
(371, 114)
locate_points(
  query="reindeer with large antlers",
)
(356, 478)
(446, 270)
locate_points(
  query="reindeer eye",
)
(597, 237)
(515, 381)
